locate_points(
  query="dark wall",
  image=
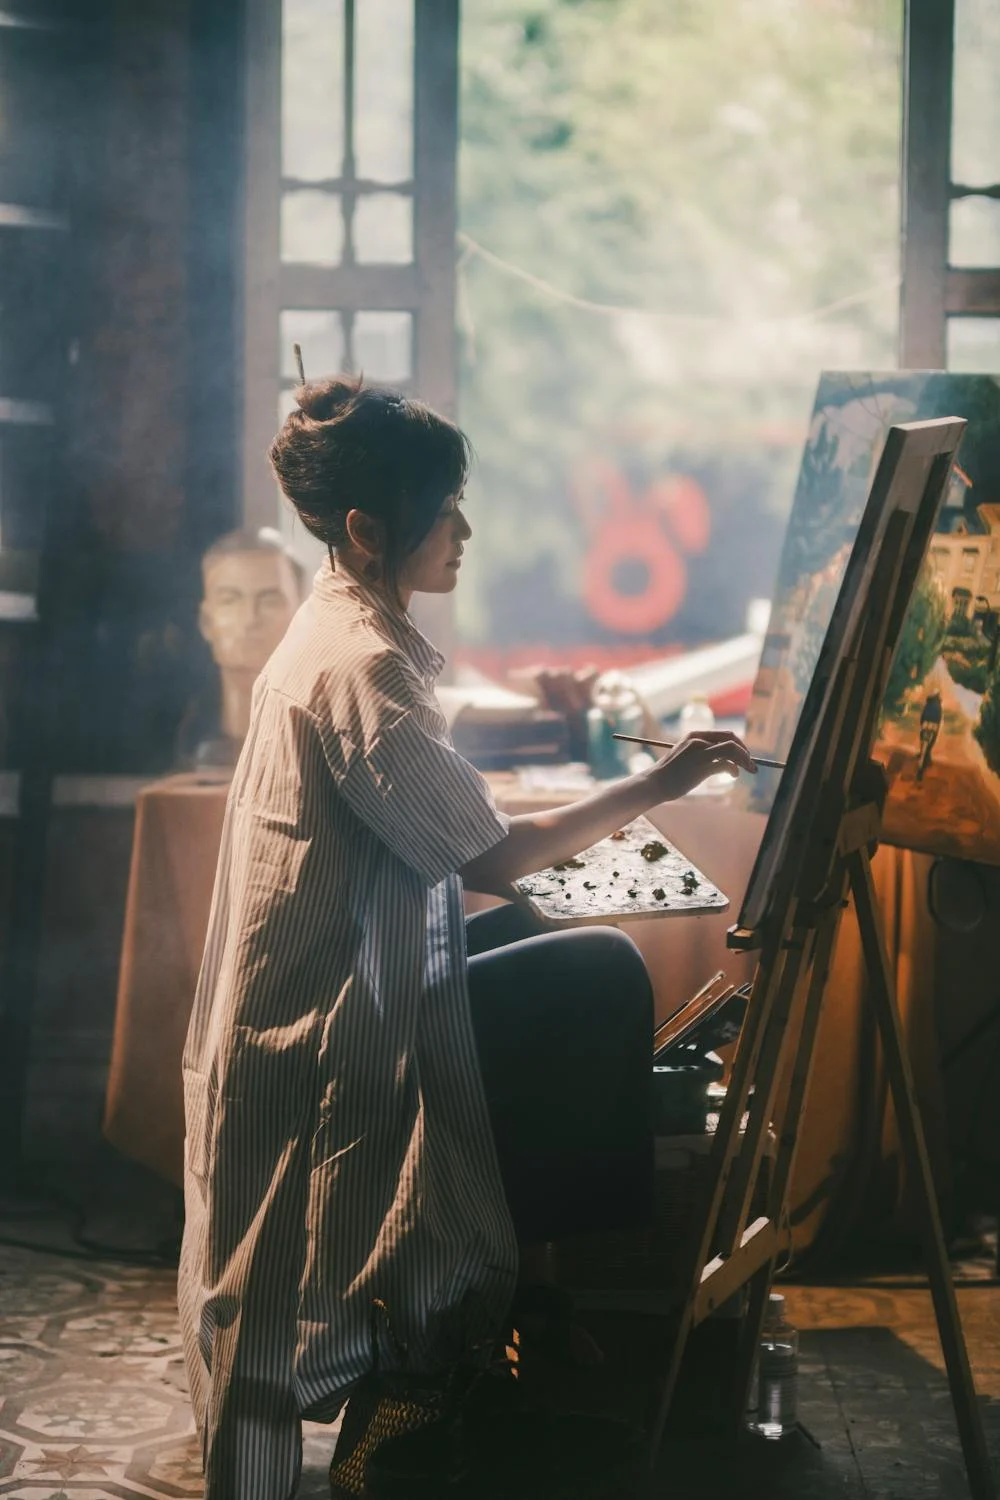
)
(125, 322)
(152, 433)
(141, 366)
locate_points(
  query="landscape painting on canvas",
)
(939, 738)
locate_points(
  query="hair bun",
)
(362, 447)
(322, 400)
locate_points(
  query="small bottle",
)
(616, 710)
(696, 715)
(777, 1373)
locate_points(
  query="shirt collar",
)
(332, 585)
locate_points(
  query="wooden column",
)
(928, 52)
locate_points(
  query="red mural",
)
(638, 538)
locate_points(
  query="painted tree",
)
(919, 645)
(817, 531)
(967, 657)
(987, 727)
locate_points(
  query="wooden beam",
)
(435, 118)
(261, 215)
(928, 49)
(723, 1276)
(348, 287)
(975, 293)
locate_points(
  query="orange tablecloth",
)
(178, 828)
(177, 832)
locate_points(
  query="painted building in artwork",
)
(965, 553)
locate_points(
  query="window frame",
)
(425, 288)
(932, 290)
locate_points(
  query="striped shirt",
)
(338, 1144)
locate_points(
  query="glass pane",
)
(312, 227)
(758, 229)
(312, 89)
(974, 232)
(975, 135)
(383, 229)
(383, 345)
(383, 90)
(321, 335)
(974, 345)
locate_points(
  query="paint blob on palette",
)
(636, 873)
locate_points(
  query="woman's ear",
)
(365, 533)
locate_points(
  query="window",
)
(641, 328)
(34, 260)
(349, 209)
(951, 284)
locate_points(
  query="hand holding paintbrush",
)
(634, 739)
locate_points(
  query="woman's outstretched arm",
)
(537, 840)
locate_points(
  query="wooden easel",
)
(832, 830)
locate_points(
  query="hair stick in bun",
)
(353, 446)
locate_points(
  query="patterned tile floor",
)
(93, 1403)
(93, 1398)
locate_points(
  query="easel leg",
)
(791, 1117)
(724, 1153)
(911, 1134)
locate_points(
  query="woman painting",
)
(380, 1111)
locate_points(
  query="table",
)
(177, 832)
(178, 828)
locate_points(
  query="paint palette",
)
(636, 873)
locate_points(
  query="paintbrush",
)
(635, 739)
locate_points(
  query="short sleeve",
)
(412, 788)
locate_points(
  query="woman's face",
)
(433, 567)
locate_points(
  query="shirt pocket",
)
(196, 1124)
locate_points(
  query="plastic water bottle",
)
(777, 1373)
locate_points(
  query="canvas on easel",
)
(823, 828)
(939, 726)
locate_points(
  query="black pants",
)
(564, 1024)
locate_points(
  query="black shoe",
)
(517, 1450)
(473, 1434)
(383, 1409)
(428, 1464)
(498, 1447)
